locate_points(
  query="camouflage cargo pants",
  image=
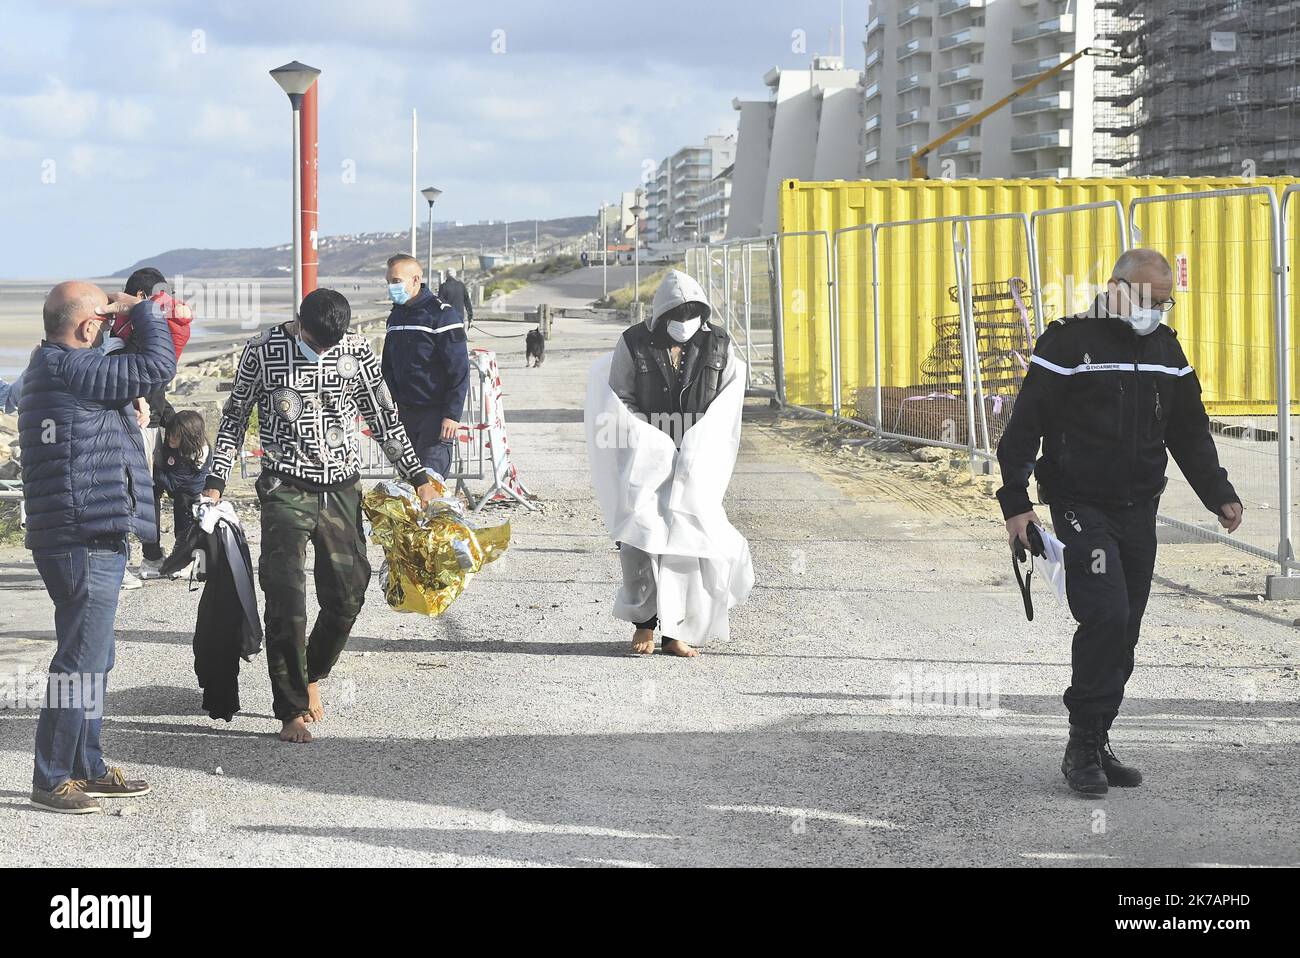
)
(331, 521)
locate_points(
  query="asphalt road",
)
(574, 289)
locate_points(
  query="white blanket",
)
(668, 502)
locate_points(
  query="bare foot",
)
(315, 710)
(680, 649)
(295, 730)
(643, 642)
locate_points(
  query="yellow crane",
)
(918, 158)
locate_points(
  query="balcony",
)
(1028, 69)
(913, 47)
(956, 111)
(871, 157)
(1051, 27)
(905, 152)
(873, 123)
(872, 26)
(1051, 173)
(1042, 104)
(949, 7)
(873, 57)
(907, 83)
(919, 115)
(871, 92)
(917, 11)
(962, 146)
(1046, 140)
(967, 73)
(971, 36)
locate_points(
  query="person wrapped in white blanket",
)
(663, 430)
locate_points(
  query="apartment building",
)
(715, 206)
(932, 63)
(806, 129)
(1210, 88)
(672, 197)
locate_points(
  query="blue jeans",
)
(83, 580)
(424, 428)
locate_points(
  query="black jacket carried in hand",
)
(1106, 403)
(228, 627)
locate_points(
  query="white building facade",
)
(932, 63)
(808, 128)
(715, 207)
(672, 197)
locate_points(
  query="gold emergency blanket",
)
(430, 553)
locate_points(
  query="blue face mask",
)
(397, 293)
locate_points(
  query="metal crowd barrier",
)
(863, 349)
(739, 278)
(470, 458)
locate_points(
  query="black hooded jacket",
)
(227, 628)
(1106, 404)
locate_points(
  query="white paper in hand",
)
(1053, 563)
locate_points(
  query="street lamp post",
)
(295, 79)
(430, 193)
(636, 212)
(604, 252)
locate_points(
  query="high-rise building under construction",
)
(1203, 88)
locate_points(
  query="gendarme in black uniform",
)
(1106, 404)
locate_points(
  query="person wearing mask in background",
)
(1107, 393)
(309, 380)
(667, 371)
(425, 363)
(454, 294)
(87, 486)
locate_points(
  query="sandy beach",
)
(226, 310)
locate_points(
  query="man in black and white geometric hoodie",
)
(308, 381)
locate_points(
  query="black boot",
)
(1082, 763)
(1117, 773)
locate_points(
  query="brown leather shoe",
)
(69, 798)
(115, 785)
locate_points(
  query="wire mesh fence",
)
(922, 329)
(1226, 316)
(738, 278)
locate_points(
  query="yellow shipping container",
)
(1221, 249)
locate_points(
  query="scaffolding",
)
(1204, 88)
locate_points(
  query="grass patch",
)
(11, 531)
(507, 279)
(622, 297)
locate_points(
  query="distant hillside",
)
(363, 253)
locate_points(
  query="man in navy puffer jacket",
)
(86, 486)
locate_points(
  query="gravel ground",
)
(515, 730)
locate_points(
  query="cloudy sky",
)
(129, 129)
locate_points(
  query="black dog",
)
(534, 347)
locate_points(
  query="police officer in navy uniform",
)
(1107, 393)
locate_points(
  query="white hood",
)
(677, 288)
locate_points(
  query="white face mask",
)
(681, 332)
(1144, 320)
